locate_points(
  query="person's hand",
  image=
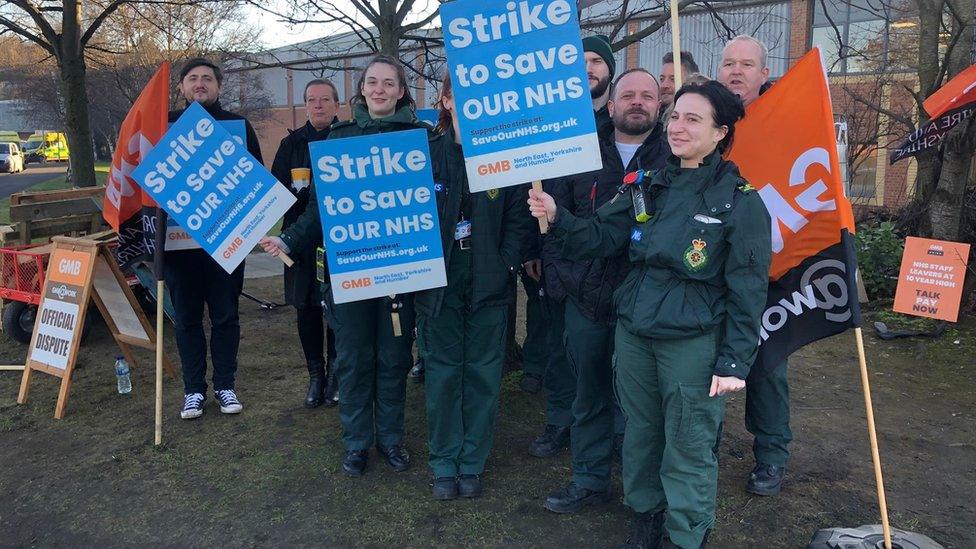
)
(272, 244)
(723, 385)
(542, 205)
(533, 268)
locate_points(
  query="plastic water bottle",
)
(122, 372)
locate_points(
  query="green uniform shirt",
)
(700, 263)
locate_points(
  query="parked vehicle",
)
(46, 147)
(11, 158)
(9, 137)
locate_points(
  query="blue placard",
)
(176, 237)
(205, 179)
(428, 115)
(379, 214)
(521, 90)
(235, 127)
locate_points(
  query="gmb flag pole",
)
(131, 212)
(676, 45)
(785, 147)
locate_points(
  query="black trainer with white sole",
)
(192, 406)
(228, 401)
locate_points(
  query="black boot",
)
(647, 531)
(550, 442)
(331, 393)
(668, 544)
(765, 479)
(316, 384)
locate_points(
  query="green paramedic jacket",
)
(501, 229)
(701, 262)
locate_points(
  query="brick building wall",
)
(892, 184)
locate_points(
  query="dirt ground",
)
(270, 477)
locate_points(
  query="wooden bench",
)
(45, 214)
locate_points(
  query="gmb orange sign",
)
(931, 278)
(69, 267)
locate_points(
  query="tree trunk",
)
(76, 122)
(71, 63)
(944, 213)
(945, 209)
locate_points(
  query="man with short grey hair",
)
(744, 71)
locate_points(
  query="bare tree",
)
(69, 32)
(126, 42)
(383, 26)
(927, 42)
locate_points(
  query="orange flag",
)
(949, 106)
(122, 207)
(785, 148)
(957, 92)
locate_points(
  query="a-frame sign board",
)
(80, 271)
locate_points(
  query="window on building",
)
(864, 174)
(864, 36)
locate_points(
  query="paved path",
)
(11, 183)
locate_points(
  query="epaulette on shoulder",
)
(745, 187)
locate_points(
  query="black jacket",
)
(590, 283)
(301, 288)
(500, 228)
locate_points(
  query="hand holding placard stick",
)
(543, 222)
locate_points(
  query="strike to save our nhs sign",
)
(379, 214)
(204, 178)
(521, 90)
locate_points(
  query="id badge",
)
(462, 230)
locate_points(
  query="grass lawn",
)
(53, 184)
(270, 477)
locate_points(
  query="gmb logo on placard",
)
(356, 283)
(494, 167)
(69, 267)
(63, 291)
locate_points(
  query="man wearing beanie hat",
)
(600, 68)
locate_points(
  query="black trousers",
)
(194, 279)
(311, 327)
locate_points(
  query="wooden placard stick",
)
(676, 44)
(285, 259)
(873, 437)
(160, 316)
(543, 222)
(395, 316)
